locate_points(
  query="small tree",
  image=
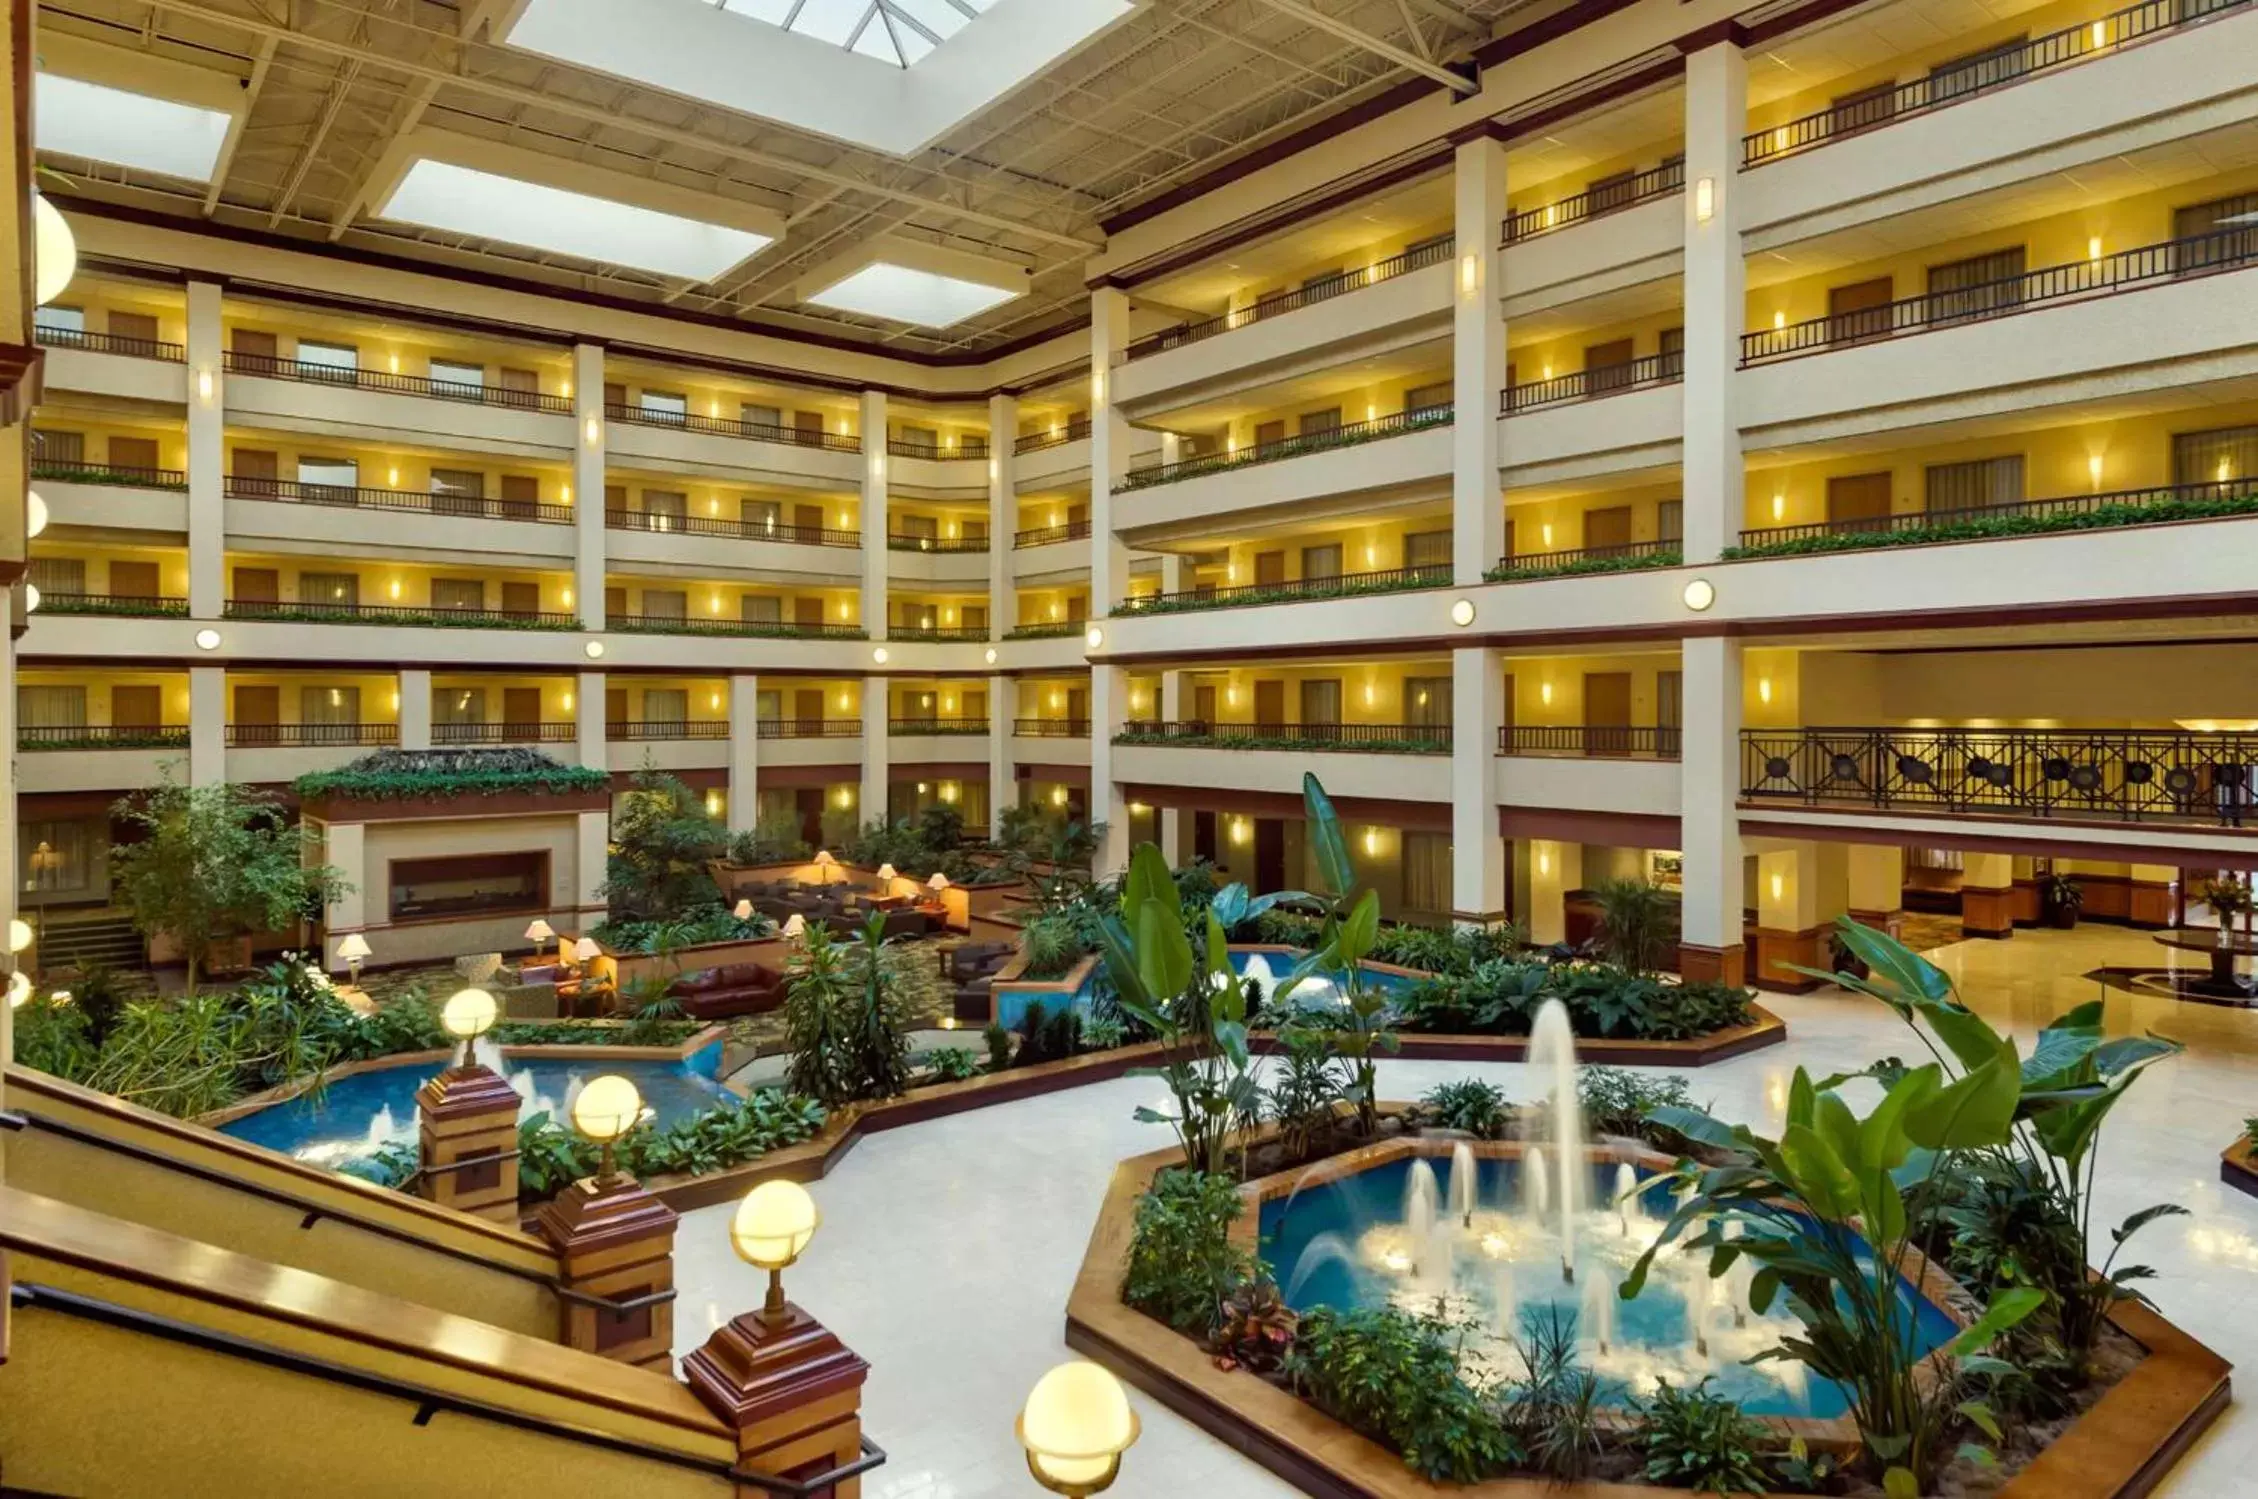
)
(1638, 924)
(662, 843)
(214, 862)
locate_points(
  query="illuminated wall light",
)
(1779, 887)
(566, 598)
(846, 796)
(715, 603)
(1372, 843)
(395, 589)
(878, 654)
(592, 432)
(1779, 505)
(1371, 695)
(564, 387)
(1548, 535)
(991, 655)
(1544, 862)
(1547, 372)
(948, 791)
(713, 507)
(1705, 200)
(1462, 613)
(2093, 470)
(2226, 468)
(595, 649)
(1097, 387)
(1764, 689)
(392, 477)
(2100, 33)
(566, 701)
(1058, 796)
(1779, 321)
(204, 385)
(395, 702)
(1469, 274)
(568, 494)
(395, 364)
(713, 804)
(1544, 693)
(1242, 831)
(1231, 697)
(1699, 594)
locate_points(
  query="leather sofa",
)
(731, 989)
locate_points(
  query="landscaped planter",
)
(2238, 1166)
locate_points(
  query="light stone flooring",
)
(948, 1248)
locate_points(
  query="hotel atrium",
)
(936, 749)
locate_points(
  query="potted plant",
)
(2228, 898)
(1843, 958)
(2062, 896)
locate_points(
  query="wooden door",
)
(138, 707)
(258, 715)
(1607, 712)
(807, 519)
(257, 585)
(615, 708)
(1269, 569)
(520, 494)
(808, 802)
(1270, 708)
(137, 326)
(1610, 527)
(1266, 433)
(521, 599)
(807, 706)
(1859, 311)
(521, 711)
(254, 471)
(519, 387)
(809, 427)
(1859, 502)
(1269, 854)
(252, 349)
(1078, 704)
(131, 454)
(1203, 704)
(133, 580)
(1607, 366)
(807, 612)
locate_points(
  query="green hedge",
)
(1511, 573)
(1985, 528)
(129, 608)
(1283, 593)
(1291, 447)
(1044, 632)
(1258, 742)
(418, 619)
(405, 775)
(154, 739)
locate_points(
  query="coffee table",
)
(2222, 982)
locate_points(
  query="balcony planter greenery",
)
(1985, 528)
(1044, 632)
(1282, 593)
(736, 630)
(409, 775)
(152, 739)
(1355, 435)
(123, 478)
(417, 619)
(1279, 742)
(942, 728)
(129, 608)
(1536, 567)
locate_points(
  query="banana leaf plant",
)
(2071, 1081)
(1200, 1018)
(1363, 1025)
(1236, 907)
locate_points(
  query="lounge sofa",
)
(972, 969)
(731, 989)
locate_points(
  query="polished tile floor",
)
(948, 1248)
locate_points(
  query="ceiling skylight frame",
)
(129, 109)
(912, 283)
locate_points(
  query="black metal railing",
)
(109, 343)
(965, 727)
(2122, 775)
(125, 476)
(685, 421)
(1051, 728)
(666, 728)
(1396, 424)
(504, 733)
(128, 605)
(753, 629)
(1373, 738)
(938, 632)
(963, 447)
(1583, 385)
(1582, 741)
(1057, 629)
(273, 368)
(1059, 437)
(902, 541)
(1597, 201)
(1340, 585)
(1665, 550)
(310, 611)
(2127, 270)
(55, 737)
(2101, 503)
(1977, 76)
(1418, 257)
(356, 497)
(309, 735)
(661, 522)
(1073, 530)
(808, 728)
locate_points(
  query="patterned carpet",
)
(1924, 932)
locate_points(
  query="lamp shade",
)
(54, 251)
(773, 1224)
(468, 1013)
(743, 911)
(1075, 1426)
(796, 925)
(586, 948)
(939, 881)
(19, 989)
(607, 1108)
(886, 872)
(352, 945)
(823, 859)
(539, 931)
(19, 934)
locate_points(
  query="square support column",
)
(877, 751)
(614, 1239)
(875, 524)
(1790, 929)
(789, 1390)
(1477, 847)
(1175, 837)
(1109, 450)
(415, 707)
(465, 1115)
(344, 845)
(1877, 885)
(207, 453)
(588, 721)
(1003, 773)
(207, 725)
(591, 852)
(1716, 299)
(1710, 935)
(1478, 363)
(1554, 870)
(1109, 695)
(591, 433)
(1003, 509)
(1987, 895)
(744, 752)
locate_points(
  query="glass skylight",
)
(893, 31)
(101, 123)
(464, 200)
(907, 295)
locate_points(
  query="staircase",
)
(105, 939)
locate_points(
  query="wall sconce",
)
(1058, 796)
(2093, 244)
(2093, 470)
(991, 655)
(207, 640)
(1544, 862)
(1372, 843)
(1699, 595)
(714, 604)
(564, 387)
(713, 700)
(1097, 387)
(395, 588)
(392, 477)
(1462, 613)
(566, 596)
(878, 654)
(713, 804)
(1242, 831)
(1230, 697)
(1544, 693)
(566, 702)
(1705, 200)
(1764, 689)
(1779, 321)
(592, 432)
(1371, 695)
(1779, 504)
(567, 492)
(595, 649)
(1469, 274)
(1779, 887)
(1547, 528)
(1095, 637)
(204, 385)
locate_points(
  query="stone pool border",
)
(2121, 1448)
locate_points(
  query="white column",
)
(1109, 695)
(207, 725)
(1716, 298)
(744, 752)
(877, 761)
(1477, 847)
(344, 847)
(874, 522)
(595, 832)
(207, 454)
(1003, 511)
(9, 886)
(1003, 776)
(588, 717)
(1709, 825)
(415, 708)
(1175, 826)
(591, 431)
(1477, 364)
(1109, 450)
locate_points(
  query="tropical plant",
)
(214, 862)
(1553, 1412)
(1638, 924)
(1239, 910)
(1401, 1379)
(1254, 1329)
(1304, 1096)
(396, 1164)
(663, 845)
(723, 1136)
(998, 1041)
(1052, 943)
(1692, 1439)
(550, 1157)
(1619, 1102)
(951, 1064)
(1501, 997)
(1363, 1025)
(55, 1039)
(1047, 1036)
(816, 1020)
(775, 838)
(1471, 1105)
(1182, 1264)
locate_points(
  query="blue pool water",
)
(356, 1116)
(1346, 1244)
(1270, 968)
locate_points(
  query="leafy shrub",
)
(1047, 1036)
(1052, 945)
(999, 1045)
(552, 1157)
(1182, 1264)
(1439, 950)
(55, 1039)
(1501, 997)
(396, 775)
(1400, 1380)
(1256, 1328)
(845, 1019)
(1469, 1104)
(1695, 1440)
(588, 1033)
(690, 928)
(1552, 1412)
(774, 839)
(1638, 924)
(396, 1164)
(1103, 1033)
(1617, 1102)
(1310, 1082)
(663, 844)
(952, 1064)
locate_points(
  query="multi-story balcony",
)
(969, 445)
(2153, 505)
(2089, 775)
(1050, 728)
(362, 497)
(1043, 536)
(123, 605)
(664, 523)
(325, 612)
(270, 367)
(957, 727)
(1339, 585)
(1599, 380)
(311, 735)
(1076, 430)
(747, 428)
(743, 629)
(937, 632)
(809, 728)
(1356, 759)
(121, 476)
(146, 369)
(1592, 741)
(526, 732)
(1360, 738)
(665, 729)
(1631, 556)
(903, 541)
(1622, 769)
(1049, 629)
(1332, 439)
(1308, 294)
(58, 739)
(1609, 196)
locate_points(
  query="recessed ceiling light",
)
(100, 123)
(905, 294)
(464, 200)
